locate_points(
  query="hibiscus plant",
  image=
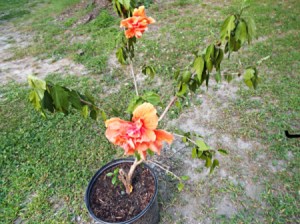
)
(140, 136)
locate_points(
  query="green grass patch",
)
(55, 38)
(46, 164)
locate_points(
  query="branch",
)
(163, 168)
(90, 104)
(182, 136)
(133, 76)
(167, 108)
(127, 178)
(133, 167)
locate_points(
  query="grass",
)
(54, 37)
(46, 164)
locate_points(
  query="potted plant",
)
(125, 190)
(108, 203)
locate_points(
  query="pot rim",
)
(99, 172)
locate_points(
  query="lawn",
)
(46, 163)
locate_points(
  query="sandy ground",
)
(18, 69)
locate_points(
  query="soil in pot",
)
(111, 203)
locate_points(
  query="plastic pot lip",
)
(99, 172)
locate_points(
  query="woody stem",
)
(132, 168)
(182, 136)
(126, 178)
(165, 169)
(167, 108)
(133, 76)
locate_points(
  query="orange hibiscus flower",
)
(140, 134)
(137, 24)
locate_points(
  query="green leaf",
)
(94, 114)
(88, 97)
(200, 153)
(176, 74)
(251, 28)
(121, 56)
(207, 79)
(209, 56)
(208, 162)
(60, 98)
(218, 76)
(241, 32)
(228, 77)
(35, 100)
(103, 115)
(74, 99)
(109, 174)
(198, 66)
(248, 75)
(202, 146)
(234, 45)
(134, 102)
(186, 76)
(227, 27)
(150, 152)
(116, 171)
(137, 155)
(193, 85)
(149, 70)
(180, 186)
(184, 139)
(36, 96)
(219, 59)
(38, 85)
(223, 151)
(183, 87)
(216, 53)
(251, 78)
(214, 165)
(85, 111)
(114, 180)
(194, 153)
(47, 102)
(178, 104)
(126, 4)
(185, 178)
(152, 98)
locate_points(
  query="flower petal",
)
(162, 135)
(139, 12)
(147, 114)
(130, 33)
(148, 135)
(116, 129)
(142, 150)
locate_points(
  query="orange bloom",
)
(140, 134)
(137, 24)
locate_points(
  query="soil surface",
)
(17, 70)
(111, 203)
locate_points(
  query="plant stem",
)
(126, 178)
(133, 167)
(90, 104)
(182, 136)
(163, 168)
(167, 108)
(133, 76)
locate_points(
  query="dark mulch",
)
(112, 204)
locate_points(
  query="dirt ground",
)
(18, 69)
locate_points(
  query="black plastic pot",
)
(150, 215)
